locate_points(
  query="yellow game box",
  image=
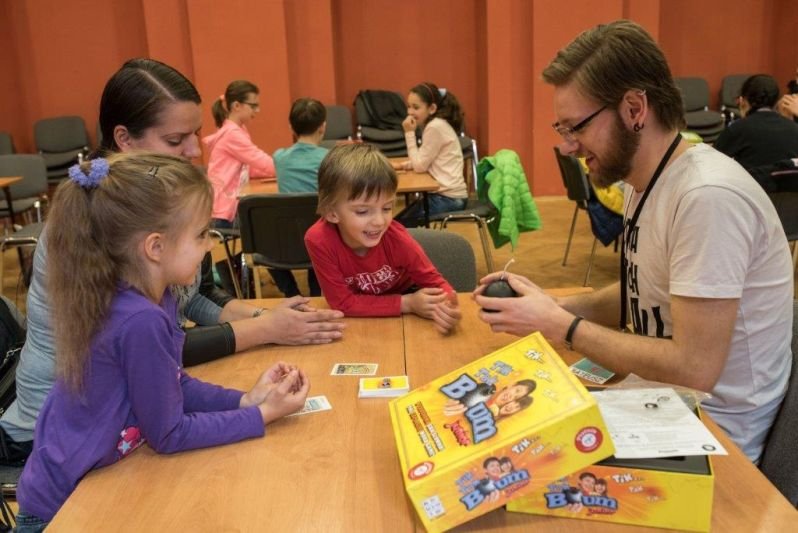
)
(507, 424)
(674, 493)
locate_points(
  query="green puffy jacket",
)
(501, 180)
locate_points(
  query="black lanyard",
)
(633, 221)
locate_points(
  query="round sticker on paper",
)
(588, 439)
(421, 470)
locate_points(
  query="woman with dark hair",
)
(148, 105)
(762, 136)
(437, 112)
(233, 157)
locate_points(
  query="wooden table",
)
(338, 470)
(5, 183)
(409, 182)
(329, 471)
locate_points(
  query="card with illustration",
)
(354, 369)
(590, 371)
(313, 405)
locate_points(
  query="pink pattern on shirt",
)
(129, 439)
(374, 282)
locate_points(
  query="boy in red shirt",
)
(367, 263)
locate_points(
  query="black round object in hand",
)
(498, 289)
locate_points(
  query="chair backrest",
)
(786, 204)
(274, 226)
(695, 93)
(573, 177)
(339, 123)
(451, 254)
(6, 143)
(380, 109)
(730, 89)
(33, 171)
(779, 460)
(60, 134)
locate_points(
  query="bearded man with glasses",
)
(706, 279)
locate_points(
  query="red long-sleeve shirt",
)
(371, 285)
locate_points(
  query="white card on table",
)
(313, 405)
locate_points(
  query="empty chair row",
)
(61, 142)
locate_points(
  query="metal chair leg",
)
(590, 263)
(570, 236)
(229, 259)
(244, 277)
(485, 238)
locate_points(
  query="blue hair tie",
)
(97, 171)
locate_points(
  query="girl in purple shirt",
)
(123, 230)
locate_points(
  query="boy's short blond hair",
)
(352, 170)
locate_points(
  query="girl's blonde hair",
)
(93, 241)
(351, 170)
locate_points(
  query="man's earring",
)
(638, 127)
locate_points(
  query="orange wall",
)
(57, 54)
(743, 39)
(65, 52)
(384, 44)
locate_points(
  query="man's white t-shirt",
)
(708, 230)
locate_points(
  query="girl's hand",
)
(447, 314)
(409, 124)
(286, 397)
(423, 301)
(266, 382)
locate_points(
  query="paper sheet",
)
(646, 423)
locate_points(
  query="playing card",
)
(590, 371)
(354, 369)
(314, 404)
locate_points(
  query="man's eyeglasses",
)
(253, 105)
(569, 133)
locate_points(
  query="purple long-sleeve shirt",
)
(134, 391)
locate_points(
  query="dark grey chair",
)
(730, 88)
(700, 119)
(6, 143)
(578, 189)
(379, 117)
(339, 125)
(452, 256)
(62, 141)
(273, 230)
(786, 204)
(32, 190)
(780, 460)
(28, 235)
(479, 212)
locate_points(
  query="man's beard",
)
(616, 164)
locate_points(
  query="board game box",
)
(673, 493)
(507, 424)
(667, 492)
